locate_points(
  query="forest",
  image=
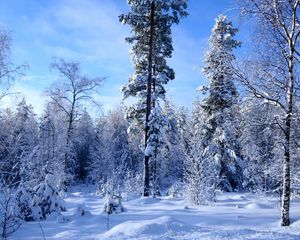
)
(240, 137)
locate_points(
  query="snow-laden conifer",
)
(151, 22)
(221, 144)
(46, 199)
(215, 161)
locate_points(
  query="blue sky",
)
(88, 31)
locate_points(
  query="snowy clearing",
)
(233, 216)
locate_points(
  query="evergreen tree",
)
(156, 142)
(18, 140)
(220, 136)
(26, 137)
(173, 154)
(50, 148)
(151, 22)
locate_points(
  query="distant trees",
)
(171, 158)
(84, 134)
(12, 142)
(151, 23)
(111, 155)
(50, 148)
(121, 157)
(18, 140)
(35, 156)
(259, 140)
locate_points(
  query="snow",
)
(232, 216)
(130, 229)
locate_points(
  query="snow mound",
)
(239, 197)
(145, 200)
(232, 198)
(63, 219)
(158, 226)
(258, 206)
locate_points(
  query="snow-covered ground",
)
(233, 216)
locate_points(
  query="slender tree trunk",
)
(4, 224)
(285, 211)
(286, 191)
(222, 176)
(148, 108)
(154, 159)
(6, 216)
(52, 147)
(69, 130)
(153, 87)
(66, 161)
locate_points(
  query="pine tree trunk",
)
(154, 185)
(148, 108)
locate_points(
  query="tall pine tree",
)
(151, 22)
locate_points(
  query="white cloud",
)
(88, 31)
(84, 29)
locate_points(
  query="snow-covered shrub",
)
(46, 199)
(175, 190)
(200, 195)
(112, 204)
(9, 221)
(105, 186)
(63, 219)
(24, 207)
(133, 186)
(200, 180)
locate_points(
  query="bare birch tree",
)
(68, 93)
(275, 72)
(8, 71)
